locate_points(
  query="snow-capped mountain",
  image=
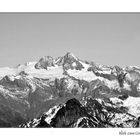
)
(30, 91)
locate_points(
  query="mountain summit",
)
(45, 62)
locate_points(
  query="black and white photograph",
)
(61, 70)
(67, 70)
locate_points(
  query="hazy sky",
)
(106, 38)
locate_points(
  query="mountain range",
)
(69, 92)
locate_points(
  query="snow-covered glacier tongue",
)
(69, 92)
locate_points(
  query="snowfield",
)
(7, 71)
(132, 103)
(29, 68)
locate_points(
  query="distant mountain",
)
(70, 91)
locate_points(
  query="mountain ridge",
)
(31, 89)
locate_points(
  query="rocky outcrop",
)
(90, 113)
(45, 62)
(69, 61)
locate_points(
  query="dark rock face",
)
(45, 62)
(68, 114)
(117, 70)
(121, 78)
(89, 114)
(23, 73)
(59, 61)
(43, 123)
(120, 74)
(69, 61)
(16, 83)
(123, 97)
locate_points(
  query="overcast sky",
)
(107, 38)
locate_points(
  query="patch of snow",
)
(82, 74)
(112, 84)
(138, 87)
(57, 60)
(133, 103)
(116, 101)
(12, 78)
(73, 64)
(51, 72)
(105, 72)
(99, 100)
(126, 86)
(70, 83)
(86, 66)
(51, 97)
(2, 89)
(134, 67)
(121, 118)
(71, 54)
(79, 120)
(35, 122)
(51, 113)
(128, 77)
(33, 87)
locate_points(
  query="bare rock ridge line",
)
(69, 92)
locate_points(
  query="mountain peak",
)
(70, 55)
(45, 58)
(70, 61)
(44, 62)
